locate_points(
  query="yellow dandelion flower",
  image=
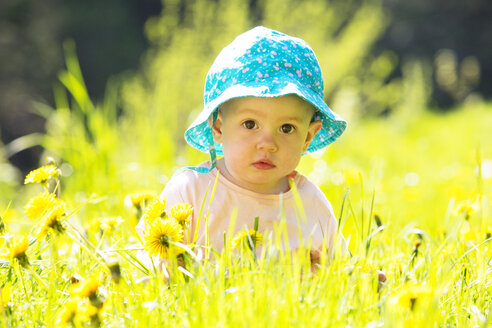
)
(41, 203)
(351, 176)
(159, 235)
(52, 221)
(466, 232)
(42, 175)
(242, 239)
(87, 311)
(156, 209)
(411, 297)
(92, 226)
(16, 249)
(466, 208)
(10, 216)
(67, 313)
(140, 198)
(110, 223)
(86, 288)
(181, 212)
(469, 235)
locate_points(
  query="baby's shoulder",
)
(306, 186)
(316, 205)
(310, 191)
(188, 179)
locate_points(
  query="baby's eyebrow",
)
(292, 118)
(246, 111)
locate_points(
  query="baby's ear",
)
(313, 129)
(217, 127)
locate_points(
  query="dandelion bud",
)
(416, 246)
(415, 250)
(115, 269)
(2, 226)
(50, 161)
(488, 232)
(75, 279)
(413, 300)
(464, 273)
(378, 220)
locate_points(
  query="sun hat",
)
(264, 63)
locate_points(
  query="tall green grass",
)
(435, 278)
(432, 240)
(427, 177)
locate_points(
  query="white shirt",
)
(318, 225)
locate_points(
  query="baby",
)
(264, 109)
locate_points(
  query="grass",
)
(413, 197)
(433, 242)
(426, 177)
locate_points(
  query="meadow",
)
(414, 200)
(411, 188)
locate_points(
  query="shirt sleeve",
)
(317, 206)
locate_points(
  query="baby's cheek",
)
(236, 161)
(293, 155)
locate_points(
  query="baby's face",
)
(263, 140)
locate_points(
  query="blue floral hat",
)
(264, 63)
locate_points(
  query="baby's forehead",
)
(291, 105)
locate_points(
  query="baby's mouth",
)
(263, 164)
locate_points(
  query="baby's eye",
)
(250, 124)
(287, 128)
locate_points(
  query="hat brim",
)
(199, 134)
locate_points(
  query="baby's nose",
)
(267, 142)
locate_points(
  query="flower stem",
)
(4, 315)
(19, 274)
(99, 244)
(37, 277)
(92, 254)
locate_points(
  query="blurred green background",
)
(107, 88)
